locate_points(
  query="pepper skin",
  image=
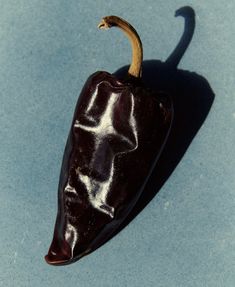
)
(117, 134)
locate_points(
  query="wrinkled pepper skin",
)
(117, 134)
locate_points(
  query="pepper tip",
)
(56, 261)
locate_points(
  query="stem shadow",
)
(192, 99)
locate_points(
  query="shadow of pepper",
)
(192, 99)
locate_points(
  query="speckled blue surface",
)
(186, 235)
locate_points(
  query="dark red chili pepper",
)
(118, 131)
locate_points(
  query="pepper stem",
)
(137, 50)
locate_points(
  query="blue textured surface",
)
(186, 235)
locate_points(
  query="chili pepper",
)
(118, 131)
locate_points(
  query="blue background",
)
(186, 235)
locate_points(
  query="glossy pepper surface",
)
(118, 131)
